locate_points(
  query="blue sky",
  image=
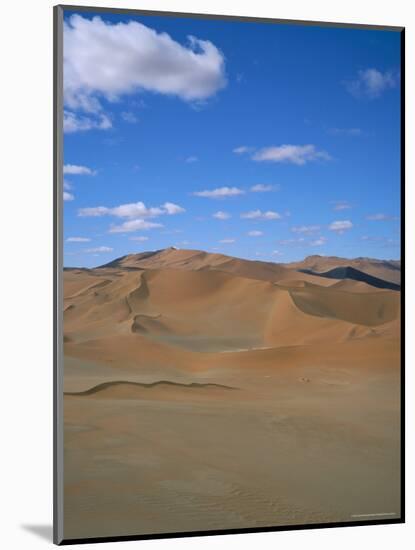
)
(263, 141)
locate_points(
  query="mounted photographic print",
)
(228, 295)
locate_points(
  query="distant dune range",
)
(348, 272)
(387, 270)
(155, 342)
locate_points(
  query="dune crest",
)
(166, 389)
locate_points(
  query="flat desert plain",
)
(206, 392)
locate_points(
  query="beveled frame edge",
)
(58, 533)
(57, 274)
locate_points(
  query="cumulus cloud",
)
(68, 196)
(78, 170)
(380, 217)
(371, 83)
(292, 154)
(262, 188)
(77, 240)
(255, 233)
(220, 215)
(341, 205)
(227, 241)
(134, 225)
(299, 241)
(259, 215)
(99, 249)
(319, 242)
(73, 122)
(219, 193)
(170, 208)
(276, 253)
(242, 150)
(383, 242)
(131, 210)
(340, 226)
(306, 229)
(109, 60)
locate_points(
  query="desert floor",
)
(204, 400)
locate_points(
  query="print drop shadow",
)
(43, 531)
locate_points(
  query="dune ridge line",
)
(106, 385)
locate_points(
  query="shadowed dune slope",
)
(387, 270)
(347, 272)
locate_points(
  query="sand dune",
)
(197, 260)
(352, 274)
(216, 311)
(388, 270)
(208, 392)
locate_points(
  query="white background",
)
(26, 271)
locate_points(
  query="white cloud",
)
(262, 188)
(306, 229)
(99, 249)
(371, 83)
(67, 185)
(381, 217)
(134, 210)
(131, 210)
(276, 253)
(293, 154)
(383, 242)
(341, 205)
(68, 196)
(242, 150)
(134, 225)
(129, 116)
(94, 211)
(319, 242)
(220, 215)
(255, 233)
(219, 193)
(299, 241)
(191, 159)
(109, 60)
(340, 226)
(141, 239)
(259, 215)
(227, 241)
(73, 122)
(369, 238)
(170, 208)
(78, 170)
(77, 240)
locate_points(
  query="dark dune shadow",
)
(45, 532)
(348, 272)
